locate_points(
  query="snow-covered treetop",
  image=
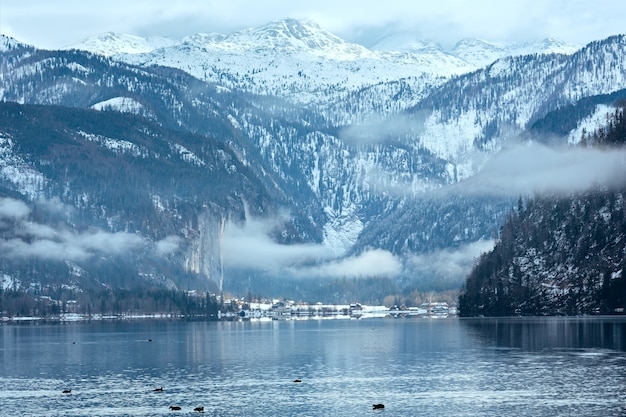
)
(7, 43)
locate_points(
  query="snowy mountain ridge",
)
(342, 172)
(300, 61)
(111, 43)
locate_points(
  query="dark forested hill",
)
(558, 254)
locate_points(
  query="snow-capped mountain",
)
(479, 110)
(308, 133)
(294, 60)
(482, 53)
(111, 43)
(303, 63)
(477, 53)
(404, 42)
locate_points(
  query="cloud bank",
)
(383, 129)
(372, 263)
(250, 246)
(450, 266)
(26, 238)
(535, 169)
(13, 209)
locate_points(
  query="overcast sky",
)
(55, 24)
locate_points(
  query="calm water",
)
(516, 367)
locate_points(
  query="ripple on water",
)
(417, 368)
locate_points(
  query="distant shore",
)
(256, 312)
(73, 317)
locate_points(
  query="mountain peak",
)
(481, 53)
(290, 34)
(204, 38)
(112, 43)
(556, 45)
(298, 29)
(476, 43)
(405, 42)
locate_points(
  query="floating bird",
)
(174, 408)
(378, 406)
(160, 389)
(199, 409)
(297, 380)
(67, 391)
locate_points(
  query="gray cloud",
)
(250, 246)
(534, 168)
(449, 266)
(105, 242)
(13, 209)
(44, 249)
(383, 129)
(167, 245)
(30, 230)
(372, 263)
(55, 206)
(33, 239)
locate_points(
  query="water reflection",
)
(535, 334)
(487, 367)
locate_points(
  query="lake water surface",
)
(415, 367)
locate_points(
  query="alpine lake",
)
(414, 366)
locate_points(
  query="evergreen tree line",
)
(50, 303)
(557, 255)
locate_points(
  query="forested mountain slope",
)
(94, 199)
(558, 254)
(358, 177)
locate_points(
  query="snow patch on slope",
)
(591, 123)
(116, 145)
(19, 172)
(120, 104)
(340, 233)
(450, 139)
(188, 156)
